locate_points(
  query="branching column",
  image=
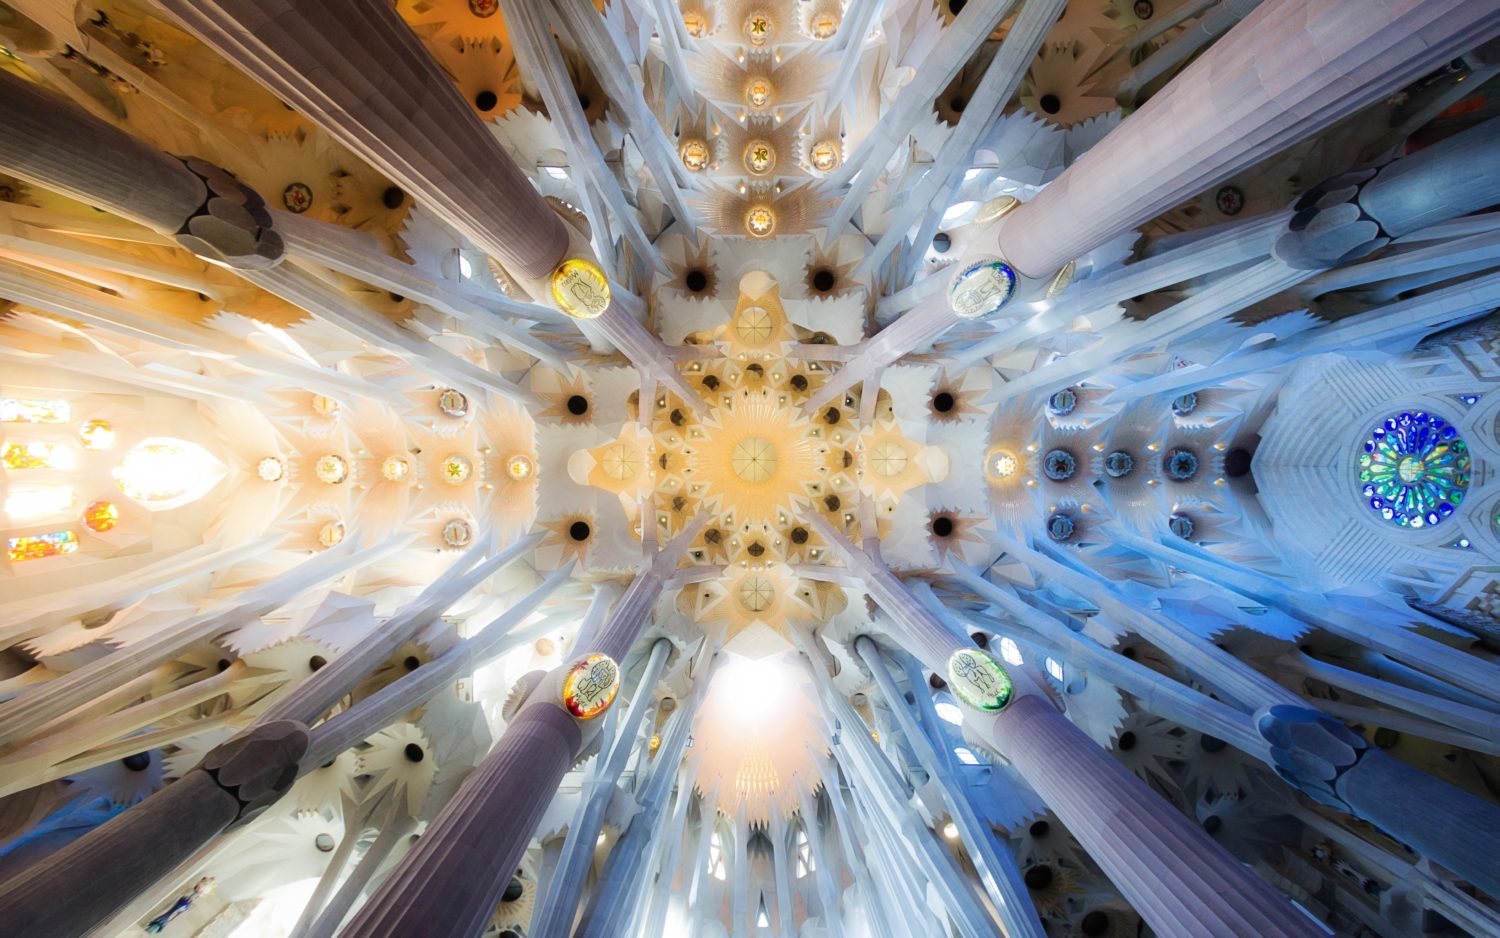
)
(1174, 874)
(452, 879)
(1288, 70)
(59, 146)
(357, 70)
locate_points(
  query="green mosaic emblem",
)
(978, 680)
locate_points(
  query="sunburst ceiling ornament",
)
(755, 457)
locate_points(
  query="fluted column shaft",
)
(55, 144)
(1289, 69)
(1180, 880)
(1174, 874)
(1448, 179)
(58, 895)
(451, 881)
(357, 70)
(1434, 818)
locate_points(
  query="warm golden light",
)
(760, 221)
(580, 289)
(20, 410)
(31, 502)
(165, 473)
(1000, 465)
(824, 156)
(395, 468)
(758, 93)
(37, 546)
(758, 28)
(331, 469)
(96, 434)
(695, 155)
(331, 534)
(457, 469)
(101, 515)
(760, 157)
(519, 467)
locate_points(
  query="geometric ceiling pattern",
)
(750, 467)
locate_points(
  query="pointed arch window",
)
(803, 852)
(716, 857)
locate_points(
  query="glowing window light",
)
(696, 23)
(805, 863)
(161, 473)
(1011, 652)
(38, 456)
(949, 713)
(1055, 668)
(966, 756)
(824, 25)
(715, 857)
(37, 546)
(32, 502)
(950, 831)
(96, 434)
(101, 515)
(465, 267)
(21, 410)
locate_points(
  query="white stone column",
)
(1287, 70)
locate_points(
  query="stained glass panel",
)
(36, 546)
(22, 410)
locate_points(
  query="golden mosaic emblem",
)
(579, 289)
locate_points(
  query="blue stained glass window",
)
(1414, 471)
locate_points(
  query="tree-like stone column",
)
(52, 143)
(1179, 879)
(451, 881)
(1335, 766)
(77, 887)
(358, 71)
(1357, 213)
(1287, 70)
